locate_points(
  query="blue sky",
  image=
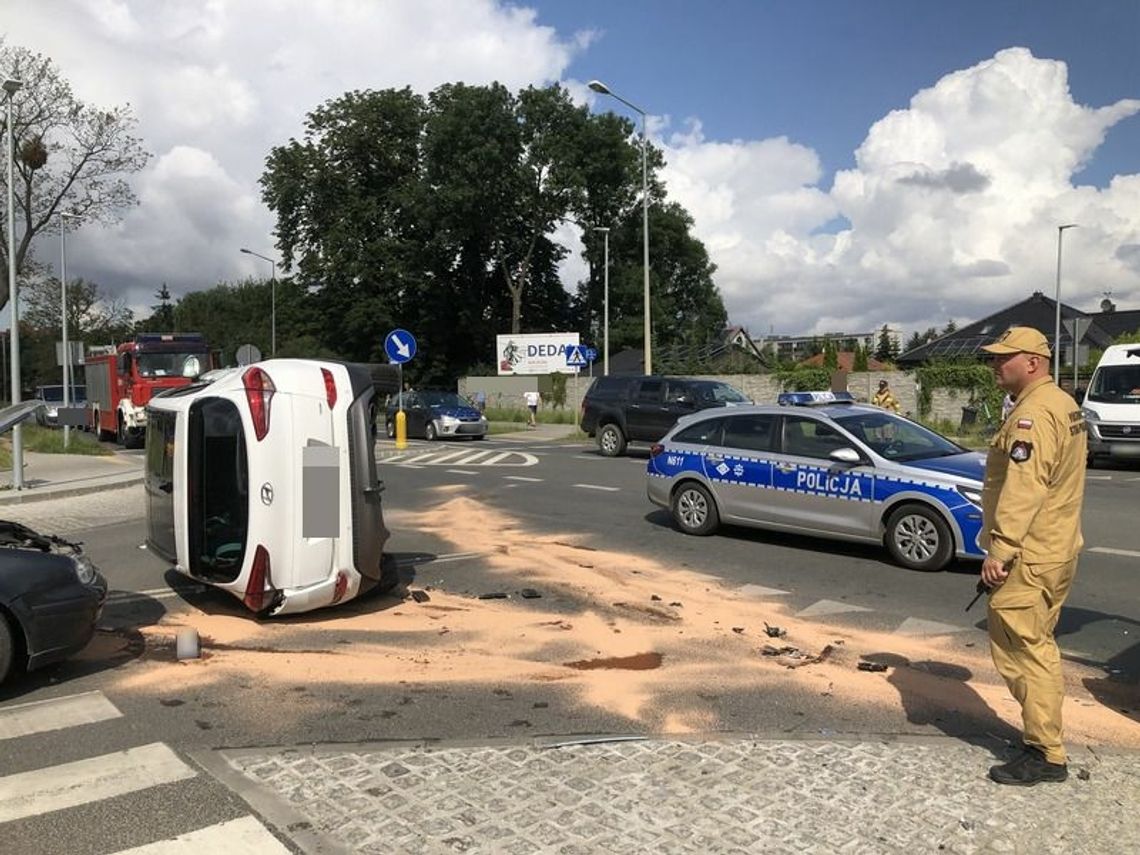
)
(821, 71)
(846, 164)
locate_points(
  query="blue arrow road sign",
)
(400, 346)
(575, 358)
(591, 354)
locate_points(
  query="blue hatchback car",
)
(432, 415)
(821, 464)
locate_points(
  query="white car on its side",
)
(262, 481)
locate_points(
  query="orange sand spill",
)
(631, 608)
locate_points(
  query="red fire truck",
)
(121, 380)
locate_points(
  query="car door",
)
(813, 492)
(645, 410)
(740, 468)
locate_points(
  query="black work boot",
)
(1029, 768)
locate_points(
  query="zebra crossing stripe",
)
(1108, 550)
(55, 714)
(70, 784)
(244, 836)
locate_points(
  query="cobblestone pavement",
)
(725, 796)
(76, 513)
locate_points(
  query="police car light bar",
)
(814, 399)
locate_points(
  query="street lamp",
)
(11, 87)
(1057, 326)
(273, 297)
(65, 215)
(606, 303)
(602, 89)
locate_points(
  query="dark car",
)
(621, 410)
(434, 414)
(51, 594)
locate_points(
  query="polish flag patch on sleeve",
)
(1025, 424)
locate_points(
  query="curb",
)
(43, 494)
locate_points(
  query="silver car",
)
(823, 465)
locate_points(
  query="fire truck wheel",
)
(121, 436)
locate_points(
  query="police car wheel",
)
(611, 441)
(694, 510)
(430, 432)
(390, 429)
(918, 538)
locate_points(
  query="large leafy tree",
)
(70, 156)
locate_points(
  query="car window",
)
(649, 391)
(218, 490)
(897, 438)
(808, 437)
(678, 392)
(704, 432)
(719, 393)
(750, 433)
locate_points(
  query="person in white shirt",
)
(532, 401)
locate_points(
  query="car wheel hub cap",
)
(692, 508)
(916, 538)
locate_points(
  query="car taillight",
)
(260, 583)
(656, 449)
(341, 587)
(259, 391)
(330, 387)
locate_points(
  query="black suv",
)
(620, 410)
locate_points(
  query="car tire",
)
(694, 509)
(121, 434)
(611, 441)
(918, 538)
(390, 429)
(389, 574)
(7, 648)
(430, 433)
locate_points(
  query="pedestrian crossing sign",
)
(575, 357)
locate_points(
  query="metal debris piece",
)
(529, 594)
(787, 650)
(677, 605)
(420, 596)
(655, 598)
(774, 631)
(967, 824)
(738, 629)
(493, 595)
(1083, 774)
(872, 666)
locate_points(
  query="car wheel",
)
(694, 509)
(121, 434)
(918, 538)
(390, 429)
(7, 648)
(611, 441)
(430, 433)
(389, 574)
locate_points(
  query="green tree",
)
(69, 156)
(861, 358)
(830, 355)
(887, 349)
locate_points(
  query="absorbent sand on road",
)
(626, 635)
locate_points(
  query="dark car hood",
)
(969, 464)
(465, 413)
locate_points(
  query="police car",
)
(262, 481)
(819, 463)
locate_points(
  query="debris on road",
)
(493, 595)
(419, 596)
(872, 666)
(774, 631)
(1083, 774)
(529, 594)
(787, 650)
(738, 629)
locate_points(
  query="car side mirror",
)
(846, 455)
(191, 367)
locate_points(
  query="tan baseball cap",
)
(1020, 340)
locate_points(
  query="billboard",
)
(534, 353)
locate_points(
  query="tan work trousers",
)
(1022, 615)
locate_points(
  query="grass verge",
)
(45, 440)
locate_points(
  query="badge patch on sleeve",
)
(1025, 424)
(1020, 451)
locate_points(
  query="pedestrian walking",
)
(1031, 531)
(481, 401)
(533, 399)
(885, 398)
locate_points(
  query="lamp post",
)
(11, 87)
(1057, 325)
(602, 89)
(65, 215)
(273, 298)
(605, 303)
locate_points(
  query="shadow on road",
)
(938, 694)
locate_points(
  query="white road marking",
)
(94, 779)
(1132, 479)
(440, 559)
(761, 591)
(55, 714)
(243, 836)
(830, 607)
(598, 487)
(522, 478)
(1108, 550)
(1098, 477)
(470, 460)
(462, 472)
(917, 626)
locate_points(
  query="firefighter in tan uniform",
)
(885, 398)
(1031, 505)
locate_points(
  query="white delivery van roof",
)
(1121, 354)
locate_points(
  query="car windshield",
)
(896, 438)
(720, 393)
(442, 399)
(1115, 384)
(51, 393)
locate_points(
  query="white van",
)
(1111, 405)
(262, 481)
